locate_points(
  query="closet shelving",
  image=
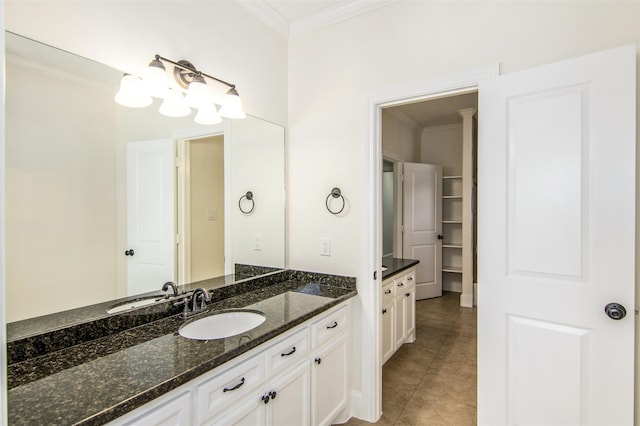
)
(452, 224)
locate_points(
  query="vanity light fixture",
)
(155, 82)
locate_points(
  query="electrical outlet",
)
(325, 247)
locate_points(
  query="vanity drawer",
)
(227, 388)
(410, 279)
(329, 326)
(287, 352)
(388, 291)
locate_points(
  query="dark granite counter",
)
(97, 381)
(395, 265)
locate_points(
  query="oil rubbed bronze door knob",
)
(615, 311)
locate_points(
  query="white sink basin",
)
(134, 304)
(219, 326)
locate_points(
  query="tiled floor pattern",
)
(432, 381)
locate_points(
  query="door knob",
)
(615, 311)
(129, 252)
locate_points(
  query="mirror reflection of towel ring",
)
(335, 193)
(249, 197)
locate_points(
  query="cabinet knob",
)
(407, 294)
(129, 252)
(384, 311)
(387, 292)
(440, 237)
(265, 399)
(400, 284)
(273, 394)
(318, 360)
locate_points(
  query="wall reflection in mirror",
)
(88, 180)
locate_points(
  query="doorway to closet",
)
(434, 135)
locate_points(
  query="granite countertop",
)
(395, 265)
(97, 381)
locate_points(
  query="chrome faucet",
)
(174, 287)
(195, 309)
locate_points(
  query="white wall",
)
(442, 145)
(206, 171)
(60, 183)
(332, 70)
(3, 337)
(400, 137)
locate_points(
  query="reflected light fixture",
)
(155, 82)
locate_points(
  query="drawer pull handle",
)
(318, 360)
(384, 311)
(290, 352)
(235, 387)
(400, 284)
(387, 291)
(334, 325)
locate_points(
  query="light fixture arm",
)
(188, 66)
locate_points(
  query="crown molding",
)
(334, 14)
(329, 16)
(267, 14)
(403, 117)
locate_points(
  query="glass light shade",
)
(197, 93)
(207, 114)
(174, 105)
(132, 92)
(232, 105)
(156, 80)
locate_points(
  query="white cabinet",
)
(388, 320)
(330, 368)
(170, 410)
(300, 378)
(284, 400)
(398, 312)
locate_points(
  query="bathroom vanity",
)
(398, 300)
(292, 368)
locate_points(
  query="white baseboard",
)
(455, 286)
(466, 300)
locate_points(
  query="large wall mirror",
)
(88, 182)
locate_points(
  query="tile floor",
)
(433, 380)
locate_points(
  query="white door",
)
(556, 243)
(150, 215)
(422, 223)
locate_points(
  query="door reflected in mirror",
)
(68, 189)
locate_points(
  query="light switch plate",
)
(325, 247)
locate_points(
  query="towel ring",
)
(249, 197)
(335, 193)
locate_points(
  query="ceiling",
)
(437, 112)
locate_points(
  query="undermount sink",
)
(219, 326)
(131, 304)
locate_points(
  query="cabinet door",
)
(400, 316)
(388, 324)
(329, 382)
(290, 400)
(410, 314)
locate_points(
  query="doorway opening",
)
(428, 188)
(443, 133)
